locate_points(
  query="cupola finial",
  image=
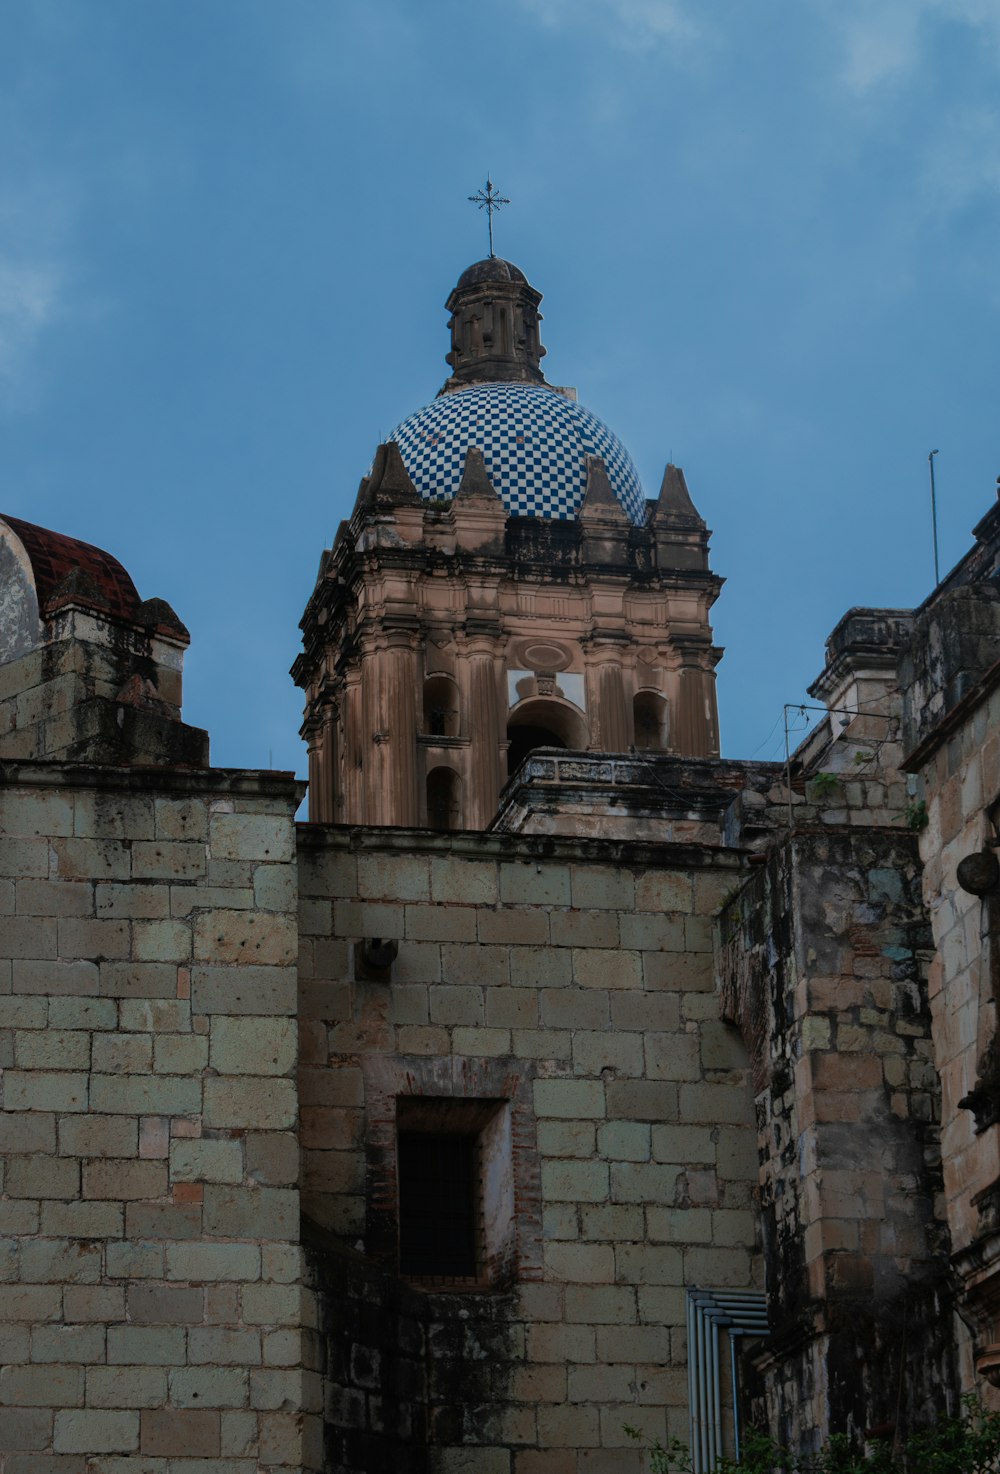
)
(487, 199)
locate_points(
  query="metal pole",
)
(736, 1392)
(930, 462)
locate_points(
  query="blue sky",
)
(766, 234)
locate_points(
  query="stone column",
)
(695, 732)
(311, 731)
(329, 765)
(354, 810)
(610, 726)
(480, 799)
(392, 785)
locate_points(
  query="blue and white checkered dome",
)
(535, 444)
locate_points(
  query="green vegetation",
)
(966, 1444)
(823, 785)
(917, 816)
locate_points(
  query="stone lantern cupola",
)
(494, 327)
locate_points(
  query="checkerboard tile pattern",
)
(534, 443)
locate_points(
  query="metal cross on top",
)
(487, 199)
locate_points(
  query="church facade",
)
(558, 1077)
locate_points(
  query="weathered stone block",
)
(540, 967)
(642, 1100)
(123, 1054)
(260, 837)
(580, 1263)
(600, 1050)
(243, 990)
(164, 1220)
(642, 1182)
(207, 1262)
(180, 1054)
(146, 1346)
(624, 1141)
(570, 1099)
(580, 1182)
(138, 979)
(126, 1387)
(135, 1261)
(42, 1386)
(591, 969)
(145, 1095)
(96, 1432)
(528, 883)
(479, 1460)
(94, 1302)
(272, 1157)
(180, 818)
(125, 899)
(27, 1131)
(30, 937)
(205, 1386)
(517, 925)
(124, 1179)
(27, 1428)
(206, 1160)
(176, 1431)
(41, 1177)
(270, 1105)
(276, 1305)
(162, 940)
(68, 1344)
(261, 939)
(253, 1046)
(156, 1015)
(91, 1220)
(29, 1302)
(251, 1212)
(168, 860)
(54, 898)
(213, 1346)
(56, 977)
(82, 1013)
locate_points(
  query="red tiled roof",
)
(53, 556)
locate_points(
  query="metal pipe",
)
(716, 1396)
(703, 1391)
(930, 462)
(736, 1399)
(692, 1378)
(742, 1313)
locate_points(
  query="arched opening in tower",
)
(440, 707)
(649, 711)
(444, 799)
(543, 724)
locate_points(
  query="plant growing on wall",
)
(966, 1444)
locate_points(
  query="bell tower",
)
(502, 585)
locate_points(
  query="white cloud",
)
(887, 41)
(30, 295)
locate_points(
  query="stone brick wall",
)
(590, 992)
(961, 783)
(823, 966)
(151, 1303)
